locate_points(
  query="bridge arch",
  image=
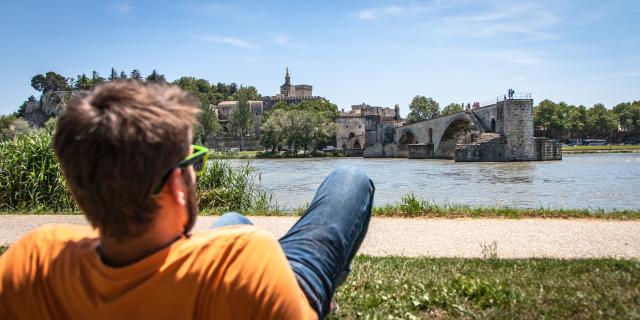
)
(456, 130)
(407, 138)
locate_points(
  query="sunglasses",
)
(197, 159)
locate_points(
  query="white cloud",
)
(519, 57)
(235, 42)
(283, 40)
(375, 13)
(475, 18)
(123, 9)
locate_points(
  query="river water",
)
(606, 181)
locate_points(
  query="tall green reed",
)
(30, 176)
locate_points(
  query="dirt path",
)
(561, 238)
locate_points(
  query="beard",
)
(192, 203)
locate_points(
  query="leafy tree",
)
(207, 124)
(551, 117)
(123, 75)
(50, 81)
(601, 122)
(96, 78)
(156, 77)
(251, 92)
(114, 74)
(422, 108)
(242, 119)
(628, 114)
(451, 109)
(577, 122)
(84, 83)
(136, 75)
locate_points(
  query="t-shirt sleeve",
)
(267, 281)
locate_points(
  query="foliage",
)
(422, 108)
(451, 109)
(241, 121)
(50, 81)
(30, 176)
(628, 114)
(156, 77)
(563, 121)
(12, 127)
(223, 187)
(296, 129)
(454, 288)
(207, 124)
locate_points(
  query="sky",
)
(378, 52)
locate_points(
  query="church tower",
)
(286, 89)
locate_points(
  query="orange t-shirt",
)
(237, 272)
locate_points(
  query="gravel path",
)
(560, 238)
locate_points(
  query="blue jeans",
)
(321, 245)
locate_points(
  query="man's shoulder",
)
(48, 240)
(237, 236)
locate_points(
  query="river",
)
(594, 181)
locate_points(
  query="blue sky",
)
(378, 52)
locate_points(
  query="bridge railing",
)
(514, 96)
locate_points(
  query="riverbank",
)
(284, 155)
(412, 207)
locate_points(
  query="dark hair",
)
(115, 145)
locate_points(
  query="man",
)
(126, 155)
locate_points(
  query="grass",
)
(410, 206)
(457, 288)
(612, 148)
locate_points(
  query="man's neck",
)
(122, 252)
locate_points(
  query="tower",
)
(286, 89)
(397, 112)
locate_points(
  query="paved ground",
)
(442, 237)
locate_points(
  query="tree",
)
(84, 83)
(156, 77)
(207, 124)
(123, 75)
(422, 108)
(551, 117)
(114, 74)
(601, 122)
(96, 78)
(136, 75)
(628, 114)
(451, 109)
(242, 119)
(251, 92)
(51, 81)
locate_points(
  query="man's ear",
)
(176, 188)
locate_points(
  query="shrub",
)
(30, 176)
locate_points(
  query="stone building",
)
(290, 90)
(290, 93)
(350, 125)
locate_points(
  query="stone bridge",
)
(498, 131)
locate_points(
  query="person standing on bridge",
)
(125, 151)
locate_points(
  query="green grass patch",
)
(602, 148)
(457, 288)
(411, 206)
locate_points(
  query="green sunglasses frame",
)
(199, 153)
